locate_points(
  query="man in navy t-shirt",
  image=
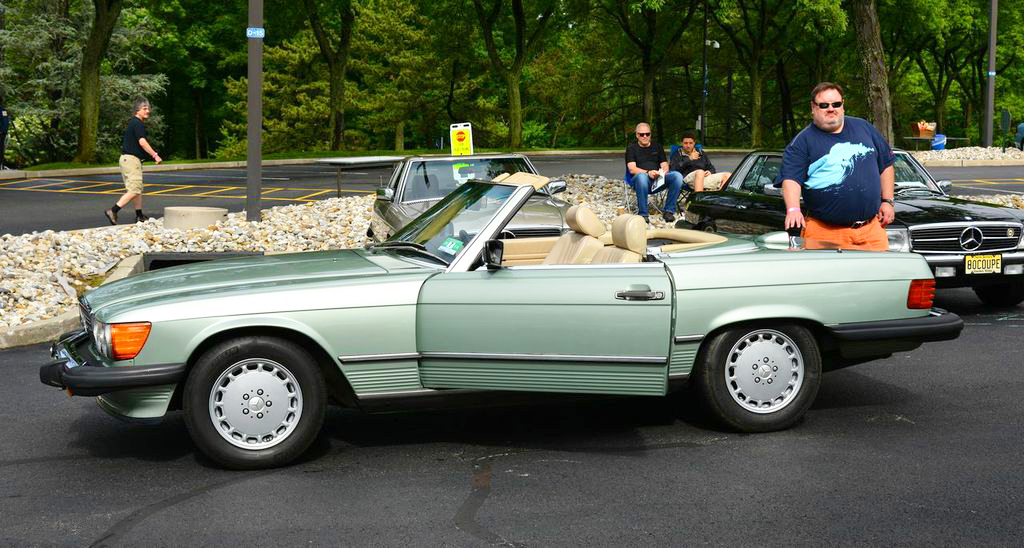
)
(844, 169)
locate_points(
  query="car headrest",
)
(630, 232)
(582, 220)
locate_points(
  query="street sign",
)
(461, 137)
(1005, 122)
(258, 33)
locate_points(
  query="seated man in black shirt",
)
(646, 161)
(696, 167)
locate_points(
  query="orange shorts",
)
(870, 237)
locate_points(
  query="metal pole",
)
(704, 88)
(254, 154)
(990, 98)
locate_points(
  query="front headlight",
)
(101, 337)
(899, 239)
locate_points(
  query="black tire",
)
(253, 372)
(707, 226)
(764, 349)
(1001, 295)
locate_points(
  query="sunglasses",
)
(648, 134)
(835, 104)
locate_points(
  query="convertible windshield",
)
(909, 179)
(446, 228)
(433, 179)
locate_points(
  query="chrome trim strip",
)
(413, 392)
(544, 357)
(379, 357)
(964, 224)
(688, 338)
(588, 266)
(946, 256)
(679, 377)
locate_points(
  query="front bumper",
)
(962, 279)
(71, 370)
(938, 325)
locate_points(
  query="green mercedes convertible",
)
(453, 305)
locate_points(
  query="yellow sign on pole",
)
(461, 137)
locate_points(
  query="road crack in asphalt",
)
(117, 532)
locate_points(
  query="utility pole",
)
(704, 79)
(254, 152)
(990, 98)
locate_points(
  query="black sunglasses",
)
(835, 104)
(648, 134)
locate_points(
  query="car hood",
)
(225, 276)
(914, 210)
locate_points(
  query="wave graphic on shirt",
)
(834, 167)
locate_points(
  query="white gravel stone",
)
(38, 270)
(970, 153)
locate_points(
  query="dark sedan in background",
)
(967, 244)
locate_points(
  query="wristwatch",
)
(889, 201)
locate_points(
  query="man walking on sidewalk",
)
(134, 147)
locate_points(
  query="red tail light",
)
(921, 294)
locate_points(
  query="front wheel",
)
(1001, 295)
(760, 378)
(254, 402)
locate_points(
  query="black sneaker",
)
(647, 219)
(668, 216)
(111, 216)
(141, 218)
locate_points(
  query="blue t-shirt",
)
(839, 172)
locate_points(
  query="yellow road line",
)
(183, 195)
(307, 196)
(269, 190)
(171, 189)
(84, 187)
(45, 184)
(216, 190)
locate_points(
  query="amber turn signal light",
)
(921, 294)
(127, 339)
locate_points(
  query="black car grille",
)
(85, 316)
(945, 238)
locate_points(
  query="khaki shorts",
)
(131, 172)
(712, 182)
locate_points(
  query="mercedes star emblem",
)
(1010, 233)
(971, 238)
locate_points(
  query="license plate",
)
(983, 264)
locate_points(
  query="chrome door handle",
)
(741, 206)
(639, 293)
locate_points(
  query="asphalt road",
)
(67, 203)
(923, 448)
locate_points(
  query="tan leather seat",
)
(629, 239)
(580, 245)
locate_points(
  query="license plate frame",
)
(983, 264)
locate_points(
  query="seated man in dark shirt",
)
(696, 168)
(646, 161)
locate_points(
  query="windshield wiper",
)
(916, 189)
(407, 246)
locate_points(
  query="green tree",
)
(510, 48)
(332, 22)
(105, 14)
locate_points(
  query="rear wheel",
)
(254, 402)
(760, 378)
(1002, 295)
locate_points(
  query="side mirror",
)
(386, 194)
(555, 186)
(771, 190)
(945, 184)
(493, 252)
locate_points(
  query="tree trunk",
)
(337, 105)
(659, 127)
(872, 55)
(729, 109)
(400, 136)
(197, 120)
(785, 102)
(104, 19)
(648, 94)
(756, 107)
(515, 109)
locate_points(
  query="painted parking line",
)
(997, 191)
(171, 189)
(88, 186)
(216, 190)
(307, 196)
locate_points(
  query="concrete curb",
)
(48, 330)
